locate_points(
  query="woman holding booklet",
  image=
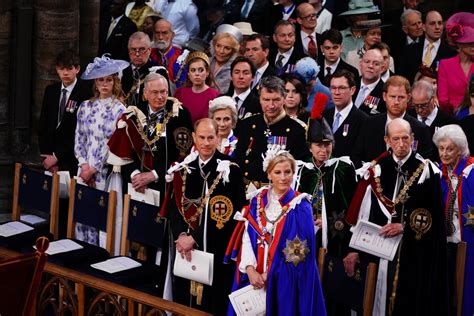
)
(276, 234)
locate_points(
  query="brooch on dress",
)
(469, 216)
(296, 250)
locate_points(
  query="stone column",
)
(56, 27)
(5, 42)
(89, 30)
(6, 168)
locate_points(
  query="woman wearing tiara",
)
(276, 234)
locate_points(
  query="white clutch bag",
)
(199, 269)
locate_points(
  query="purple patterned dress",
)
(95, 125)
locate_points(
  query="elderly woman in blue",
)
(278, 249)
(223, 111)
(457, 184)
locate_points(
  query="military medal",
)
(267, 132)
(71, 106)
(277, 141)
(249, 148)
(414, 146)
(345, 130)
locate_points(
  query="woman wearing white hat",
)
(224, 49)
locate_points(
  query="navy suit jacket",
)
(412, 58)
(58, 137)
(348, 133)
(341, 66)
(371, 144)
(377, 94)
(117, 44)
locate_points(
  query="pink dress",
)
(196, 103)
(452, 83)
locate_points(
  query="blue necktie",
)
(335, 124)
(361, 96)
(245, 10)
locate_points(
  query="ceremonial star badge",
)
(469, 216)
(295, 250)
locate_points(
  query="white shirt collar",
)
(305, 39)
(150, 110)
(435, 43)
(203, 163)
(430, 118)
(344, 112)
(410, 40)
(242, 97)
(402, 160)
(116, 20)
(70, 87)
(262, 69)
(370, 86)
(286, 55)
(385, 76)
(333, 66)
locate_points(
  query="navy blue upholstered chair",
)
(38, 194)
(96, 210)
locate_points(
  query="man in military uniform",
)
(145, 144)
(272, 128)
(400, 192)
(207, 191)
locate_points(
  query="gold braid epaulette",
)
(401, 197)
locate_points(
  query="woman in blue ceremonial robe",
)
(274, 243)
(457, 185)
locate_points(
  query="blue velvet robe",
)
(465, 201)
(291, 289)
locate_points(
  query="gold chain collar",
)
(402, 196)
(204, 201)
(158, 132)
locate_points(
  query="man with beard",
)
(166, 55)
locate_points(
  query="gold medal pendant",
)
(158, 128)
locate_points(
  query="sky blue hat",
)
(104, 66)
(307, 68)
